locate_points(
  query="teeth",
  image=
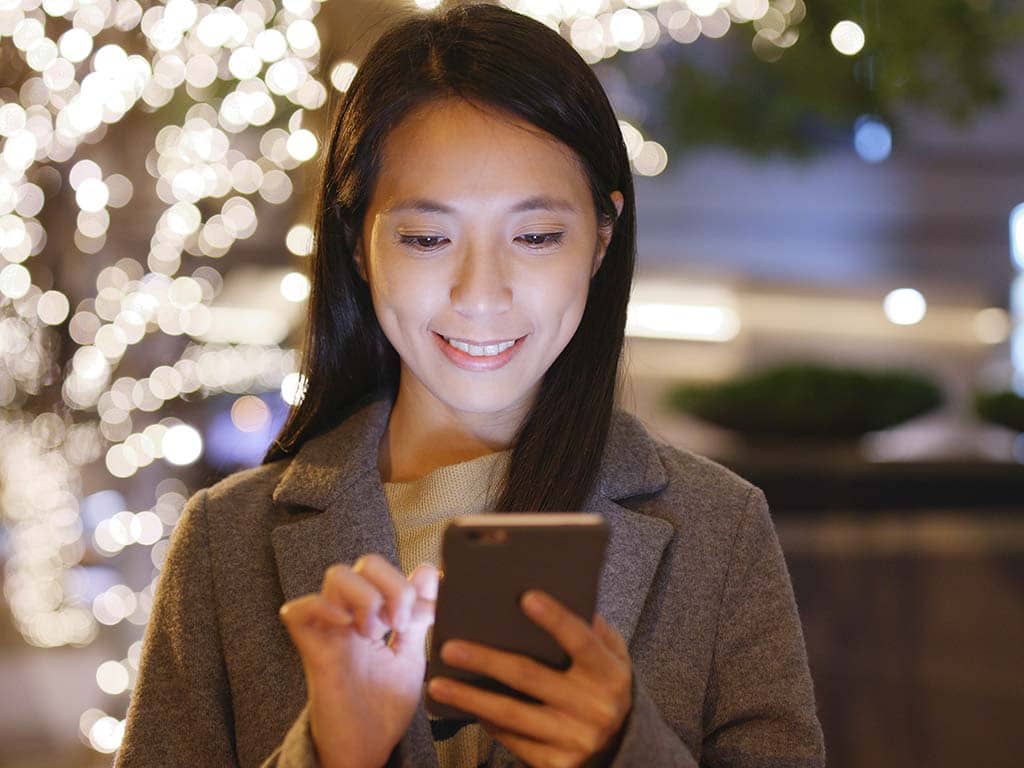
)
(488, 351)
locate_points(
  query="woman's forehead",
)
(456, 149)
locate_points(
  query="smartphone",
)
(488, 562)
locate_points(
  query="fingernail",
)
(454, 652)
(439, 688)
(534, 603)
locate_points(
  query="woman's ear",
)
(618, 201)
(357, 258)
(605, 229)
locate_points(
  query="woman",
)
(474, 254)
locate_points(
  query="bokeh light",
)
(847, 37)
(992, 325)
(1017, 236)
(295, 286)
(342, 74)
(112, 677)
(250, 414)
(905, 306)
(293, 387)
(299, 240)
(872, 139)
(182, 444)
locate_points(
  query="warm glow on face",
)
(482, 231)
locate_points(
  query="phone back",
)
(489, 561)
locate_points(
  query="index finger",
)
(572, 633)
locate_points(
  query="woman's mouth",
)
(487, 350)
(479, 355)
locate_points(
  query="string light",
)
(207, 170)
(601, 29)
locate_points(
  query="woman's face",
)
(479, 243)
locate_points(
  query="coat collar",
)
(327, 466)
(334, 487)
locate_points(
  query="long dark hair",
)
(515, 65)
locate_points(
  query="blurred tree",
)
(789, 90)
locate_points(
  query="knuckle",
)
(606, 714)
(621, 685)
(372, 601)
(335, 577)
(333, 572)
(590, 741)
(366, 562)
(526, 674)
(580, 644)
(371, 562)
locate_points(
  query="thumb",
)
(425, 579)
(413, 638)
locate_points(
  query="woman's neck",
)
(424, 434)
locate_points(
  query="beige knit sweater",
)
(420, 510)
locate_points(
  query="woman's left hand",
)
(581, 710)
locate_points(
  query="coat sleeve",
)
(297, 750)
(760, 707)
(759, 710)
(181, 710)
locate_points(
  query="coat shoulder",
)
(696, 492)
(247, 489)
(692, 473)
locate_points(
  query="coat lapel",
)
(635, 546)
(631, 469)
(335, 488)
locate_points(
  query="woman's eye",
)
(539, 240)
(423, 242)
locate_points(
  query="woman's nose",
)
(481, 284)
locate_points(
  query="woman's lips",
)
(470, 362)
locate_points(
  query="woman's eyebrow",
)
(535, 203)
(420, 205)
(544, 203)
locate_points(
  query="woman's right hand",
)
(362, 690)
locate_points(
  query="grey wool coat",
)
(694, 580)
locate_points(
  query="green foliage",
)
(935, 56)
(1004, 408)
(807, 400)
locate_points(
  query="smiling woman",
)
(472, 265)
(479, 244)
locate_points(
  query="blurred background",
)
(829, 300)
